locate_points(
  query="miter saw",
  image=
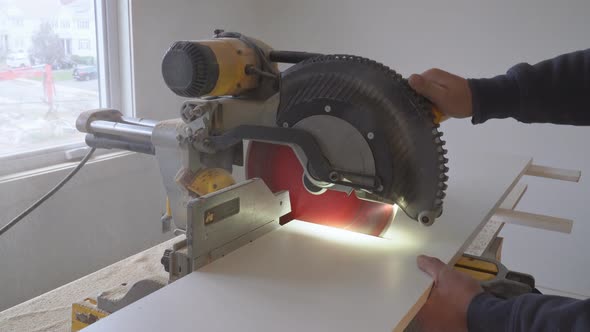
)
(333, 139)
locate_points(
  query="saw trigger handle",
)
(438, 115)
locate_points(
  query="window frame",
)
(111, 18)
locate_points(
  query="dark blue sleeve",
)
(530, 312)
(553, 91)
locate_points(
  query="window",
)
(64, 24)
(84, 44)
(83, 24)
(54, 76)
(17, 22)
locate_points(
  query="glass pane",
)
(48, 71)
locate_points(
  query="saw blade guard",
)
(280, 169)
(399, 142)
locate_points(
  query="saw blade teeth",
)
(441, 194)
(436, 133)
(439, 141)
(443, 186)
(438, 202)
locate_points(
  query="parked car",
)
(63, 64)
(18, 60)
(85, 73)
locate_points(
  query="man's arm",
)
(531, 312)
(457, 303)
(554, 91)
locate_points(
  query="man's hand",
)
(446, 308)
(449, 93)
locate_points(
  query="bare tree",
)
(47, 47)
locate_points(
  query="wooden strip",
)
(483, 239)
(493, 227)
(514, 197)
(554, 173)
(534, 220)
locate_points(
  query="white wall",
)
(475, 39)
(111, 209)
(108, 211)
(157, 24)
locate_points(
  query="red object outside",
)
(29, 72)
(280, 169)
(48, 86)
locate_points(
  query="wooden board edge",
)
(409, 316)
(510, 202)
(514, 196)
(497, 231)
(478, 229)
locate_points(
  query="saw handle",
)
(438, 115)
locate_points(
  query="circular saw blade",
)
(280, 169)
(396, 123)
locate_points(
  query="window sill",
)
(52, 166)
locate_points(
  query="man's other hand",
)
(446, 308)
(449, 93)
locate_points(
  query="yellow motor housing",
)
(215, 67)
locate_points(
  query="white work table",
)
(306, 277)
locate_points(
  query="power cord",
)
(35, 205)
